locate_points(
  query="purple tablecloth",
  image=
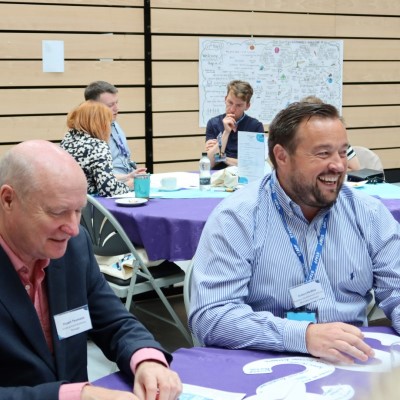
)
(222, 369)
(168, 229)
(394, 207)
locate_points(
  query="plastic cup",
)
(142, 186)
(395, 355)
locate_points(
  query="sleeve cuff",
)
(71, 391)
(147, 354)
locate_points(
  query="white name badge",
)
(306, 293)
(72, 322)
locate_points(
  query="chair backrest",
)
(368, 158)
(107, 235)
(186, 287)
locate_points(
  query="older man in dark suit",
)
(52, 294)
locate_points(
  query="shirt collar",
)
(16, 261)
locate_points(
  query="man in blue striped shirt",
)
(288, 263)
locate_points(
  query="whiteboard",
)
(280, 71)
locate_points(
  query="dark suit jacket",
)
(28, 370)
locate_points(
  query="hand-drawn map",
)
(280, 71)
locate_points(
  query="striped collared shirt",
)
(245, 265)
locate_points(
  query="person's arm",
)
(102, 171)
(219, 314)
(353, 163)
(128, 179)
(384, 248)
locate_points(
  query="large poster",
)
(280, 71)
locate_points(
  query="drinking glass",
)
(142, 185)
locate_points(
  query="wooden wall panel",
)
(76, 46)
(137, 148)
(125, 3)
(389, 157)
(371, 7)
(187, 48)
(189, 166)
(175, 99)
(365, 117)
(58, 101)
(38, 17)
(241, 23)
(53, 127)
(176, 124)
(183, 148)
(374, 138)
(30, 73)
(357, 26)
(309, 6)
(371, 71)
(371, 94)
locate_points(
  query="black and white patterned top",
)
(94, 157)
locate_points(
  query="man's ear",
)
(7, 196)
(281, 155)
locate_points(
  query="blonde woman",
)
(89, 128)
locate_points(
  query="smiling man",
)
(287, 263)
(50, 278)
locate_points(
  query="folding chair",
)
(368, 158)
(109, 239)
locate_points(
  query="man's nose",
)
(71, 225)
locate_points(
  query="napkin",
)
(227, 177)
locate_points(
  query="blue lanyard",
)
(119, 142)
(293, 240)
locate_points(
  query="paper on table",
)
(251, 155)
(193, 392)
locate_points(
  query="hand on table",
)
(337, 342)
(155, 381)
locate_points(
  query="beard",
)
(311, 195)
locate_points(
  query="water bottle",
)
(205, 174)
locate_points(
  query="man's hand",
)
(139, 171)
(337, 342)
(229, 123)
(210, 144)
(155, 381)
(90, 392)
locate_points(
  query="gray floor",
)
(166, 334)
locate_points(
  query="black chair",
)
(109, 239)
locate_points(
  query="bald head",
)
(34, 165)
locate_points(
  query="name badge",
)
(301, 315)
(73, 322)
(220, 157)
(306, 293)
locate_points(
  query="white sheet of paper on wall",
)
(53, 55)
